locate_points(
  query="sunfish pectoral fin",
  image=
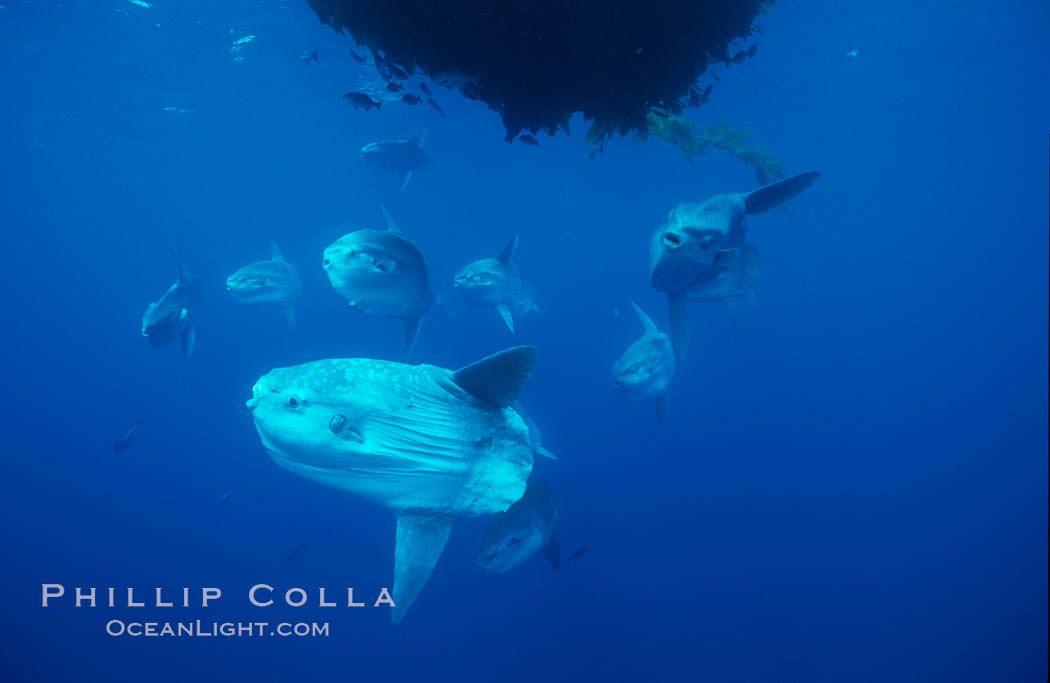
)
(188, 338)
(504, 312)
(552, 551)
(727, 257)
(661, 408)
(769, 196)
(412, 326)
(405, 176)
(508, 251)
(289, 314)
(418, 138)
(498, 379)
(275, 253)
(647, 322)
(545, 453)
(420, 541)
(676, 305)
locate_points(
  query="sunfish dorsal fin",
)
(184, 275)
(275, 253)
(420, 540)
(647, 322)
(390, 224)
(499, 378)
(508, 251)
(769, 196)
(418, 138)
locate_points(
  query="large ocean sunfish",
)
(701, 240)
(432, 445)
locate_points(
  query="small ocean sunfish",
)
(129, 436)
(274, 283)
(497, 282)
(527, 526)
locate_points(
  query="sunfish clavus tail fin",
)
(769, 196)
(420, 541)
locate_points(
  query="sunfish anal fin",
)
(676, 305)
(552, 551)
(189, 338)
(405, 176)
(499, 378)
(412, 333)
(420, 541)
(504, 312)
(289, 314)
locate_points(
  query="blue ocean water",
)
(854, 487)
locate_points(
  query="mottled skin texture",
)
(409, 438)
(519, 532)
(380, 273)
(403, 436)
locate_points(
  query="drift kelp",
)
(538, 63)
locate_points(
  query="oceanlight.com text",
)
(228, 629)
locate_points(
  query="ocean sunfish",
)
(382, 273)
(174, 314)
(646, 368)
(400, 156)
(497, 282)
(429, 444)
(699, 240)
(528, 525)
(273, 284)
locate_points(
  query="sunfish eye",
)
(326, 263)
(293, 402)
(515, 541)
